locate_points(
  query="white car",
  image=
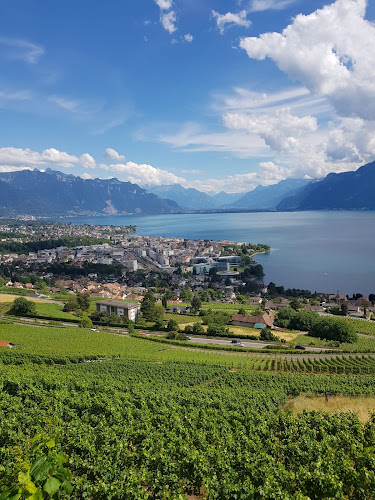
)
(94, 330)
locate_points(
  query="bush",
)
(334, 329)
(266, 334)
(172, 325)
(23, 307)
(215, 329)
(85, 322)
(198, 329)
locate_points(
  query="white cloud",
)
(18, 49)
(87, 161)
(164, 4)
(72, 105)
(168, 21)
(28, 158)
(330, 51)
(352, 141)
(231, 19)
(279, 130)
(20, 95)
(188, 37)
(261, 5)
(85, 176)
(143, 174)
(112, 154)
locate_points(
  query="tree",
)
(164, 302)
(295, 304)
(242, 311)
(196, 303)
(172, 325)
(22, 307)
(198, 328)
(158, 312)
(266, 334)
(71, 304)
(148, 306)
(83, 301)
(344, 309)
(85, 322)
(333, 329)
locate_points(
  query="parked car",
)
(302, 347)
(237, 343)
(94, 330)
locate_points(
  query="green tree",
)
(198, 329)
(164, 302)
(344, 308)
(295, 304)
(333, 329)
(172, 325)
(71, 304)
(148, 306)
(196, 303)
(22, 307)
(159, 312)
(85, 322)
(83, 301)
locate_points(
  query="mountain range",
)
(52, 193)
(345, 191)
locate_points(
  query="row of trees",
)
(317, 326)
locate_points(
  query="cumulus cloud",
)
(188, 37)
(168, 20)
(87, 161)
(352, 141)
(164, 4)
(230, 19)
(112, 154)
(28, 158)
(330, 51)
(23, 50)
(279, 130)
(143, 174)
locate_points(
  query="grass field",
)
(363, 407)
(182, 318)
(8, 298)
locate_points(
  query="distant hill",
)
(345, 191)
(193, 199)
(54, 193)
(186, 197)
(268, 197)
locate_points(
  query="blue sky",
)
(214, 94)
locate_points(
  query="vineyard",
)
(142, 420)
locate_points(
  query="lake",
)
(319, 251)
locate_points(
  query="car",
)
(301, 347)
(237, 343)
(188, 338)
(142, 333)
(94, 330)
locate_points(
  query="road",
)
(247, 343)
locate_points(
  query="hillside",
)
(54, 193)
(345, 191)
(268, 197)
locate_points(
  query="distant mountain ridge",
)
(268, 197)
(55, 193)
(354, 190)
(191, 198)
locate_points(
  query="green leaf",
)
(38, 495)
(51, 443)
(52, 485)
(66, 485)
(10, 494)
(40, 469)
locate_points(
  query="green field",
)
(145, 420)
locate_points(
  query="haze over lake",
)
(319, 251)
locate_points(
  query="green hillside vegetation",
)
(144, 420)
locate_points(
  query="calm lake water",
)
(322, 251)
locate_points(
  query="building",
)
(129, 309)
(265, 320)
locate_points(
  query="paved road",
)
(247, 343)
